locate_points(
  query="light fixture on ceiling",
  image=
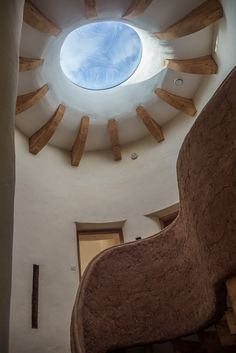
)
(178, 82)
(134, 156)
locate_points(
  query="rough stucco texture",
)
(171, 284)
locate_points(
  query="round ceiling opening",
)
(101, 55)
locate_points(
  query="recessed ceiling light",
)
(178, 82)
(134, 156)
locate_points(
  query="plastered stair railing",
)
(213, 340)
(219, 338)
(171, 284)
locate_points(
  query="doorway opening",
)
(91, 243)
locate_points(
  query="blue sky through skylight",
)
(101, 55)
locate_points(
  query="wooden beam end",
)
(114, 137)
(74, 163)
(153, 127)
(32, 148)
(91, 9)
(204, 65)
(41, 137)
(80, 141)
(137, 8)
(204, 15)
(36, 19)
(27, 100)
(26, 64)
(186, 105)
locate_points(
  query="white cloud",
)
(100, 52)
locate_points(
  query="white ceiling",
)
(119, 102)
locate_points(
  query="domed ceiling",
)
(149, 84)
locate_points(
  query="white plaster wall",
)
(10, 24)
(51, 196)
(224, 53)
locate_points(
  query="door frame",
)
(79, 233)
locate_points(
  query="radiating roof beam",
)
(114, 136)
(36, 19)
(205, 65)
(183, 104)
(153, 127)
(201, 17)
(27, 100)
(137, 8)
(80, 141)
(90, 8)
(41, 137)
(26, 64)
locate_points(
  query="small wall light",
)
(178, 82)
(134, 156)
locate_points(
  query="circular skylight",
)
(101, 55)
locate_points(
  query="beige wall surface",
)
(10, 24)
(51, 196)
(90, 248)
(224, 52)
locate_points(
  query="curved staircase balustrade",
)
(171, 284)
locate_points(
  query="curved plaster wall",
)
(51, 196)
(121, 101)
(10, 24)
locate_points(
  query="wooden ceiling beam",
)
(26, 64)
(114, 136)
(27, 100)
(205, 65)
(80, 141)
(183, 104)
(41, 137)
(137, 8)
(90, 8)
(201, 17)
(153, 127)
(36, 19)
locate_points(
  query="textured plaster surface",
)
(171, 284)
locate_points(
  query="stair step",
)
(184, 346)
(231, 320)
(231, 288)
(210, 341)
(225, 336)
